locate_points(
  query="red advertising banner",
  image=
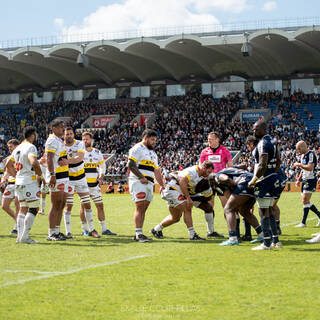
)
(101, 122)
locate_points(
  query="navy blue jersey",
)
(266, 146)
(232, 172)
(309, 157)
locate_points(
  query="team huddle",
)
(67, 166)
(70, 166)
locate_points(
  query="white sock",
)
(67, 221)
(28, 222)
(43, 204)
(191, 232)
(158, 227)
(15, 226)
(52, 231)
(103, 225)
(209, 219)
(57, 229)
(84, 226)
(138, 231)
(20, 224)
(89, 218)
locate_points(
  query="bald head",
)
(260, 129)
(302, 147)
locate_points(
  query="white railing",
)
(224, 28)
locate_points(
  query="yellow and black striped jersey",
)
(192, 174)
(145, 159)
(56, 146)
(92, 160)
(1, 168)
(76, 170)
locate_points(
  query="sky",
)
(21, 19)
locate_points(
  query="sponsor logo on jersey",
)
(141, 195)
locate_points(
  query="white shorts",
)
(29, 192)
(9, 192)
(79, 187)
(60, 186)
(44, 188)
(173, 195)
(95, 191)
(140, 191)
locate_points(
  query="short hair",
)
(68, 129)
(251, 139)
(56, 122)
(29, 131)
(207, 164)
(149, 133)
(216, 133)
(15, 142)
(87, 133)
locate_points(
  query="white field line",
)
(296, 222)
(54, 274)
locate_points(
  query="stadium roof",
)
(276, 53)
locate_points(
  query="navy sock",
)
(274, 229)
(315, 210)
(232, 234)
(305, 214)
(247, 227)
(238, 227)
(278, 223)
(258, 229)
(265, 223)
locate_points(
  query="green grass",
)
(166, 279)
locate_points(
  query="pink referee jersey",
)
(219, 157)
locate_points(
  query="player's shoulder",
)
(137, 147)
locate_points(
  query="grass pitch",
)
(117, 278)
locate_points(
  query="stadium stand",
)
(182, 123)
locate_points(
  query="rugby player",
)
(143, 166)
(95, 168)
(9, 192)
(264, 182)
(77, 182)
(57, 177)
(233, 184)
(24, 166)
(308, 178)
(178, 194)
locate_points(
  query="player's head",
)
(301, 147)
(68, 135)
(58, 127)
(30, 134)
(149, 138)
(214, 139)
(87, 139)
(260, 129)
(251, 143)
(205, 168)
(12, 144)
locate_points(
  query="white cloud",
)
(269, 6)
(234, 6)
(131, 15)
(59, 22)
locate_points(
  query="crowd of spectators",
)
(182, 123)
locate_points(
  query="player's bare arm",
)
(134, 169)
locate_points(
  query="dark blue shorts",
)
(242, 186)
(282, 179)
(267, 188)
(309, 186)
